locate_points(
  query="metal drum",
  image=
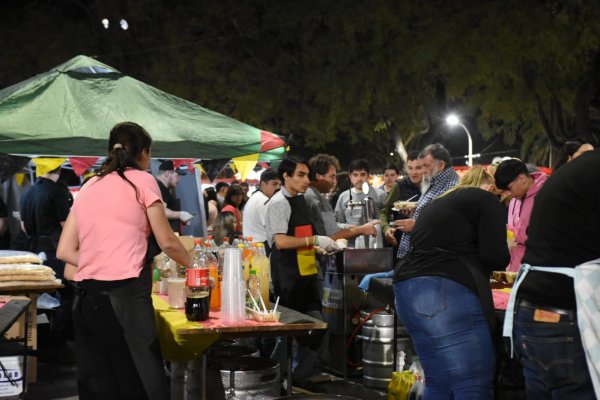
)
(377, 335)
(221, 349)
(245, 377)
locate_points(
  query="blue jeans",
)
(553, 360)
(451, 336)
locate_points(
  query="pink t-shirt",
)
(113, 226)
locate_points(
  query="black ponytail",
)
(127, 141)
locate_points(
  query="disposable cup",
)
(176, 291)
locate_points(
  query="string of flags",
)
(13, 165)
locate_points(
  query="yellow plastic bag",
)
(407, 380)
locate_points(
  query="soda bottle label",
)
(197, 277)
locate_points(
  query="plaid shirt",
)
(440, 183)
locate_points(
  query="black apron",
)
(294, 271)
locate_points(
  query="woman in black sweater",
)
(442, 288)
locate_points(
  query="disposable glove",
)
(185, 217)
(325, 242)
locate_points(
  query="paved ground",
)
(57, 382)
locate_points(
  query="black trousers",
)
(116, 341)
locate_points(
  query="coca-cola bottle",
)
(197, 304)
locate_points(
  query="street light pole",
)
(453, 120)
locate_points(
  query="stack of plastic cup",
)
(233, 299)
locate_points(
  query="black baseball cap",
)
(507, 171)
(167, 165)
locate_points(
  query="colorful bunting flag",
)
(82, 164)
(213, 168)
(245, 164)
(10, 165)
(44, 165)
(20, 178)
(185, 161)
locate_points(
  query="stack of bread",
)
(25, 268)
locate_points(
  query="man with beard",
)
(437, 178)
(167, 178)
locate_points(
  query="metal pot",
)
(246, 376)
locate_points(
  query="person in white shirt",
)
(256, 207)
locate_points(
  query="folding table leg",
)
(289, 365)
(177, 374)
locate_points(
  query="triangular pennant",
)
(20, 178)
(245, 164)
(199, 168)
(185, 161)
(44, 165)
(9, 165)
(82, 164)
(214, 167)
(270, 141)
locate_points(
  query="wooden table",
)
(29, 327)
(292, 323)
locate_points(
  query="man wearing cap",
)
(168, 178)
(44, 210)
(513, 176)
(256, 207)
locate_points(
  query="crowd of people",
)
(445, 251)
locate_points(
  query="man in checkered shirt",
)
(439, 177)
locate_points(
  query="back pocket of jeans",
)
(554, 356)
(430, 298)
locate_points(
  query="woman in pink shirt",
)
(107, 237)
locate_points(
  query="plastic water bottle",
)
(261, 264)
(212, 246)
(416, 392)
(254, 290)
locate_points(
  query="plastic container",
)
(232, 289)
(261, 263)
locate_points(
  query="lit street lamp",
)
(452, 120)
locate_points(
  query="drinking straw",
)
(412, 197)
(254, 301)
(263, 303)
(276, 303)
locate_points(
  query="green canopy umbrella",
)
(69, 111)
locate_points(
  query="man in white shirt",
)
(256, 207)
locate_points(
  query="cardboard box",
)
(17, 331)
(11, 376)
(186, 241)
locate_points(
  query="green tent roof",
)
(69, 111)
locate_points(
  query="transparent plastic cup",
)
(176, 292)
